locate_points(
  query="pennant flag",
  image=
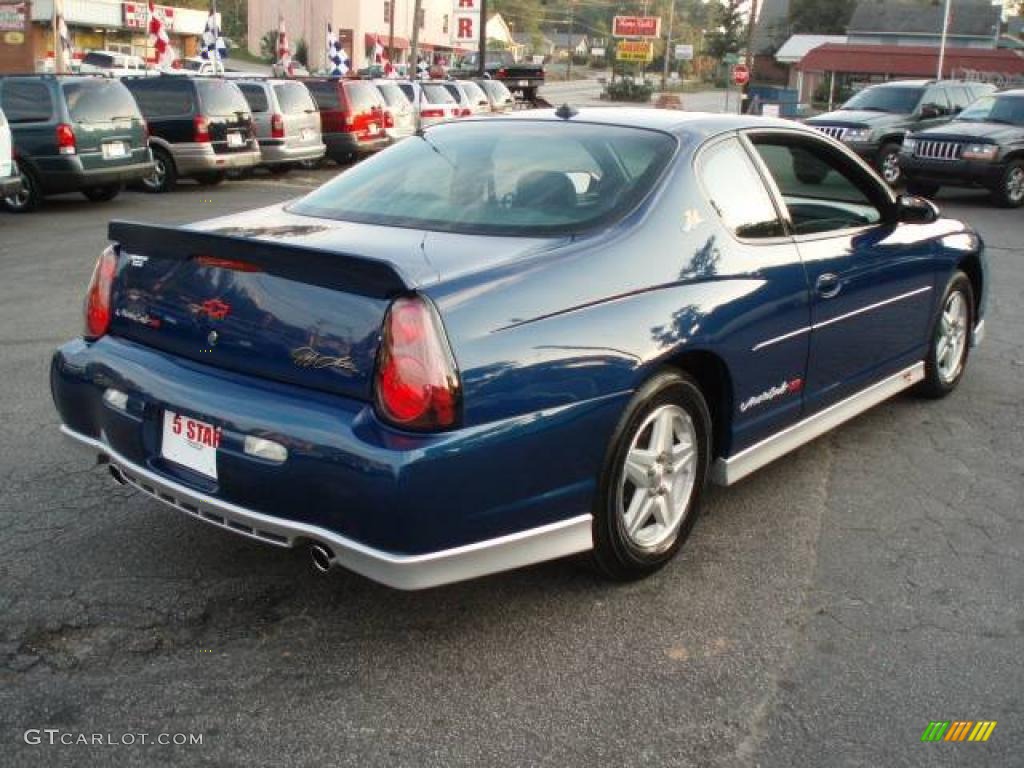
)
(213, 48)
(161, 43)
(284, 50)
(337, 60)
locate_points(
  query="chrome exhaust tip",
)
(322, 557)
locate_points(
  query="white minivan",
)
(10, 180)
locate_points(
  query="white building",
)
(359, 24)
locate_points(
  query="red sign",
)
(136, 15)
(636, 26)
(741, 74)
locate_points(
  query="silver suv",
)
(286, 121)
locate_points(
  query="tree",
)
(728, 29)
(820, 17)
(302, 52)
(268, 45)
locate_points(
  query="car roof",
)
(895, 83)
(1011, 92)
(703, 124)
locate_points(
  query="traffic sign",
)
(741, 74)
(684, 52)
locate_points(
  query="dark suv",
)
(72, 134)
(200, 127)
(872, 123)
(983, 147)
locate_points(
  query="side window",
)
(26, 102)
(735, 190)
(937, 97)
(959, 97)
(821, 189)
(255, 96)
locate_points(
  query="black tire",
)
(312, 165)
(888, 164)
(30, 196)
(165, 174)
(280, 169)
(937, 380)
(210, 179)
(617, 554)
(922, 188)
(102, 194)
(1010, 192)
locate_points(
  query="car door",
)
(934, 109)
(767, 358)
(871, 278)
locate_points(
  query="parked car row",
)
(930, 134)
(97, 134)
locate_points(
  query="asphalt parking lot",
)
(823, 612)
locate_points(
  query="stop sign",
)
(741, 74)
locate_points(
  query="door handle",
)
(828, 285)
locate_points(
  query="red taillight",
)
(465, 112)
(65, 139)
(502, 72)
(431, 113)
(277, 126)
(201, 129)
(97, 298)
(417, 385)
(389, 119)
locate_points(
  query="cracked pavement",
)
(821, 614)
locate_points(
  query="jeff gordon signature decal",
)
(785, 388)
(307, 357)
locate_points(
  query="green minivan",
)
(73, 134)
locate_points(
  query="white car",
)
(10, 179)
(111, 63)
(472, 100)
(403, 116)
(430, 100)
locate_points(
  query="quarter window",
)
(735, 190)
(255, 96)
(26, 102)
(822, 190)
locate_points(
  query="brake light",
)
(234, 265)
(65, 139)
(417, 385)
(431, 113)
(502, 72)
(97, 297)
(277, 126)
(201, 129)
(389, 119)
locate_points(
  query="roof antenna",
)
(565, 112)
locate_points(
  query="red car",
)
(353, 117)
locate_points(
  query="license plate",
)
(524, 83)
(190, 443)
(114, 149)
(307, 134)
(235, 140)
(373, 128)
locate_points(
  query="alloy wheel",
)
(952, 341)
(658, 478)
(21, 199)
(1015, 185)
(891, 168)
(155, 181)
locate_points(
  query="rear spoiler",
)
(338, 271)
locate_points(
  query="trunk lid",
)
(109, 130)
(312, 313)
(230, 120)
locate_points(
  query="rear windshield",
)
(497, 90)
(255, 96)
(362, 97)
(99, 101)
(896, 99)
(473, 92)
(500, 178)
(98, 59)
(325, 94)
(453, 89)
(436, 93)
(220, 97)
(408, 90)
(393, 95)
(294, 98)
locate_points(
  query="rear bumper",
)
(408, 510)
(192, 158)
(282, 152)
(10, 185)
(342, 146)
(66, 174)
(546, 542)
(959, 173)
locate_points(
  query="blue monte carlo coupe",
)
(508, 340)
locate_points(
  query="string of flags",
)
(159, 40)
(338, 62)
(213, 48)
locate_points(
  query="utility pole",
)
(568, 42)
(481, 68)
(415, 43)
(56, 41)
(942, 44)
(750, 53)
(391, 34)
(668, 43)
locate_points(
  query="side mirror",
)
(916, 210)
(929, 111)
